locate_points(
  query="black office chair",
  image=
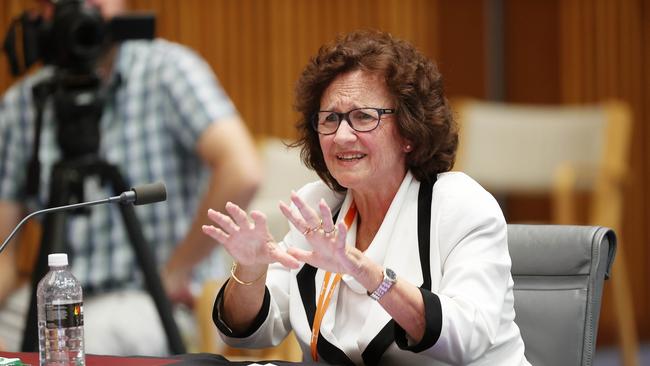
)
(559, 271)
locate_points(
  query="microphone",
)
(140, 195)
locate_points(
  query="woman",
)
(391, 258)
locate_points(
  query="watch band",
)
(389, 280)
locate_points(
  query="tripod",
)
(67, 179)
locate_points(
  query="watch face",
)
(390, 274)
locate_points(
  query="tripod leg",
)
(51, 242)
(146, 260)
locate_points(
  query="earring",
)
(407, 148)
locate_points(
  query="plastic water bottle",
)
(60, 316)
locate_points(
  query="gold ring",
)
(331, 231)
(316, 228)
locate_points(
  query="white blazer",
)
(469, 308)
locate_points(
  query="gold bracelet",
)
(232, 274)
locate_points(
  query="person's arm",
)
(242, 303)
(403, 301)
(253, 248)
(465, 314)
(10, 215)
(227, 147)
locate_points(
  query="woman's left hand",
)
(329, 251)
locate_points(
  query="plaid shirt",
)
(163, 96)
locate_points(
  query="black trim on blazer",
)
(378, 346)
(425, 195)
(432, 325)
(306, 279)
(217, 309)
(432, 306)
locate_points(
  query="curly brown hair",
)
(423, 114)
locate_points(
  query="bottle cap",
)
(57, 260)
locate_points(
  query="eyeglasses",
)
(360, 119)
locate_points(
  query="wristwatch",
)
(389, 280)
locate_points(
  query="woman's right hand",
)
(249, 243)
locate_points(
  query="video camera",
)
(73, 39)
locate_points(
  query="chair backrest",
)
(515, 147)
(559, 271)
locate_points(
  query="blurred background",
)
(519, 51)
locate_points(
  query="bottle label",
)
(64, 315)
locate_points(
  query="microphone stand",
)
(151, 192)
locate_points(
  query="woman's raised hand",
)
(329, 251)
(249, 242)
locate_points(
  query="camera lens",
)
(86, 36)
(79, 33)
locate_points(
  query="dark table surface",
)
(191, 359)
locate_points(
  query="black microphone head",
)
(149, 193)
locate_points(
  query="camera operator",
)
(165, 118)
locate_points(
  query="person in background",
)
(167, 119)
(392, 258)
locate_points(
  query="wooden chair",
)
(562, 151)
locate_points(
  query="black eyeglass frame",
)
(346, 116)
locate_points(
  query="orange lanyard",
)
(323, 300)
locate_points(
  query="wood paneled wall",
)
(259, 47)
(8, 10)
(605, 54)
